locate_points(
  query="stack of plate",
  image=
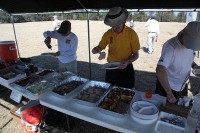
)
(144, 111)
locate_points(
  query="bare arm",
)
(133, 58)
(161, 73)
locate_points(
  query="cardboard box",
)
(16, 117)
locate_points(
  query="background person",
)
(67, 46)
(132, 23)
(175, 63)
(153, 31)
(123, 44)
(56, 23)
(191, 16)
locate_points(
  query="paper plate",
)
(111, 65)
(144, 110)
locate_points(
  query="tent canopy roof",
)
(39, 6)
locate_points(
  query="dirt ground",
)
(30, 44)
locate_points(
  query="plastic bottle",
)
(193, 116)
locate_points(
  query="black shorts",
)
(160, 90)
(122, 77)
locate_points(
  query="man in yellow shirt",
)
(123, 44)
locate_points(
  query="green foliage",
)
(140, 16)
(181, 17)
(4, 17)
(166, 17)
(136, 16)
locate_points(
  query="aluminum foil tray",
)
(10, 75)
(116, 102)
(45, 73)
(91, 93)
(60, 77)
(67, 93)
(39, 87)
(23, 90)
(27, 81)
(170, 122)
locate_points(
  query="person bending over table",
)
(67, 46)
(123, 44)
(176, 61)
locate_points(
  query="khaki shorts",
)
(71, 66)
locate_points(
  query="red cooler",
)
(8, 51)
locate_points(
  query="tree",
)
(168, 17)
(4, 17)
(181, 17)
(140, 16)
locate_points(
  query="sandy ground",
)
(30, 44)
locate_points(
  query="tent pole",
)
(88, 25)
(89, 43)
(12, 17)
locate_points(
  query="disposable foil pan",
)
(86, 102)
(45, 73)
(16, 75)
(27, 81)
(60, 77)
(68, 80)
(39, 87)
(125, 106)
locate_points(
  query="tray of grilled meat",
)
(27, 81)
(69, 85)
(9, 75)
(92, 92)
(117, 101)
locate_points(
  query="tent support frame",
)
(12, 18)
(88, 25)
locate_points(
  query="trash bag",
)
(53, 122)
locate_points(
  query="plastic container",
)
(8, 51)
(163, 127)
(30, 118)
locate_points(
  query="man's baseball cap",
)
(191, 35)
(153, 16)
(65, 27)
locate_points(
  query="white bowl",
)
(144, 110)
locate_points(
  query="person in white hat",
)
(123, 46)
(153, 32)
(56, 23)
(176, 61)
